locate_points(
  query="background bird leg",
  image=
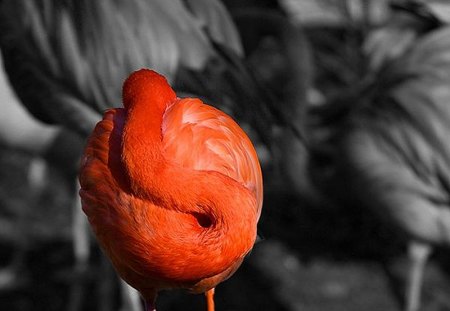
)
(418, 254)
(81, 252)
(130, 297)
(11, 275)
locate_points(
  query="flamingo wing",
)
(396, 145)
(201, 137)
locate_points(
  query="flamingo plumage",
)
(172, 189)
(67, 60)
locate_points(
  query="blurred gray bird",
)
(386, 145)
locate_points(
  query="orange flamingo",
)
(67, 59)
(172, 189)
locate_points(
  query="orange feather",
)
(172, 189)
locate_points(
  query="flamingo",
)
(172, 189)
(66, 60)
(387, 149)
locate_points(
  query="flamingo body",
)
(172, 188)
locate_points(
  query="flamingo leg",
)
(80, 234)
(418, 254)
(150, 301)
(210, 299)
(149, 307)
(10, 276)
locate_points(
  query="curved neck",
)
(146, 96)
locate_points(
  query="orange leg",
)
(210, 299)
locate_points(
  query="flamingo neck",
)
(146, 96)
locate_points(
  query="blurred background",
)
(346, 101)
